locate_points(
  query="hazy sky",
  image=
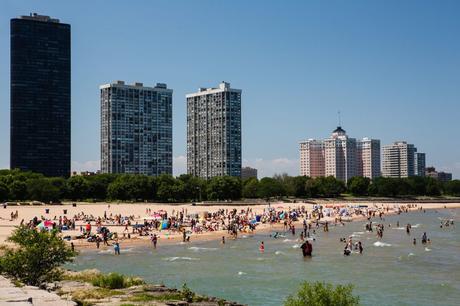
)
(391, 67)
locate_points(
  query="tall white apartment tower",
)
(312, 158)
(214, 132)
(368, 155)
(398, 160)
(340, 155)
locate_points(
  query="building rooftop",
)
(37, 17)
(223, 86)
(138, 85)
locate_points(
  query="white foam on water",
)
(279, 253)
(197, 249)
(241, 273)
(108, 251)
(411, 254)
(416, 225)
(244, 236)
(296, 246)
(358, 233)
(400, 228)
(381, 244)
(427, 250)
(260, 258)
(287, 240)
(180, 258)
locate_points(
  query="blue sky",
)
(391, 67)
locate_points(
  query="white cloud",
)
(270, 167)
(179, 165)
(90, 165)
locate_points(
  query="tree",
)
(358, 185)
(42, 189)
(270, 187)
(37, 256)
(311, 188)
(224, 188)
(323, 294)
(250, 188)
(329, 186)
(77, 188)
(4, 192)
(18, 191)
(131, 187)
(193, 188)
(452, 188)
(98, 184)
(166, 191)
(298, 186)
(432, 187)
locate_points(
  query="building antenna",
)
(340, 118)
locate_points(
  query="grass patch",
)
(162, 297)
(94, 294)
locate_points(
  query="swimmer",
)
(346, 251)
(262, 247)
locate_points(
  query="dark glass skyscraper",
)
(40, 95)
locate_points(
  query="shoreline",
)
(167, 237)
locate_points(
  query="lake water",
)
(391, 271)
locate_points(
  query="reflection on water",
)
(391, 271)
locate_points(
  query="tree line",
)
(16, 185)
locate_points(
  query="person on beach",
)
(223, 239)
(72, 246)
(154, 240)
(262, 247)
(98, 241)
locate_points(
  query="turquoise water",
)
(392, 272)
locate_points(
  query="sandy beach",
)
(139, 211)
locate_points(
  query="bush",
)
(187, 294)
(115, 281)
(37, 256)
(322, 294)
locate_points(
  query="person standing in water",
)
(116, 247)
(262, 247)
(154, 240)
(223, 239)
(307, 248)
(360, 247)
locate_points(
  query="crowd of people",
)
(105, 229)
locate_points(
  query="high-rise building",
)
(248, 172)
(340, 155)
(439, 175)
(136, 129)
(40, 95)
(368, 155)
(214, 132)
(312, 158)
(398, 160)
(419, 164)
